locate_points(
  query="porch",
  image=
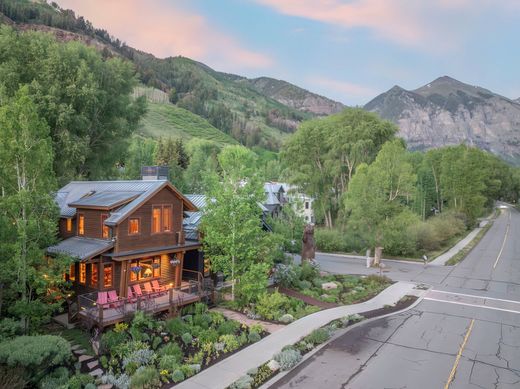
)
(93, 313)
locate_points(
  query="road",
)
(464, 334)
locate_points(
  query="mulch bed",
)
(306, 299)
(401, 304)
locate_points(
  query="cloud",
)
(165, 29)
(344, 90)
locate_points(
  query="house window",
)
(133, 226)
(306, 205)
(104, 228)
(145, 269)
(107, 275)
(69, 225)
(82, 273)
(81, 224)
(167, 218)
(94, 274)
(156, 220)
(72, 272)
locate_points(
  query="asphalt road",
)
(464, 334)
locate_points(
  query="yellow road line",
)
(503, 242)
(454, 369)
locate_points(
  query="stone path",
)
(241, 318)
(224, 373)
(89, 363)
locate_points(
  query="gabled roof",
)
(130, 195)
(81, 248)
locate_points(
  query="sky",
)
(347, 50)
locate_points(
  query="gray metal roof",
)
(81, 248)
(199, 200)
(105, 199)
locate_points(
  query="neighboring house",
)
(274, 198)
(123, 234)
(280, 194)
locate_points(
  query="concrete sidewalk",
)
(232, 368)
(445, 257)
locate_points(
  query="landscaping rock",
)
(105, 386)
(95, 347)
(93, 364)
(80, 352)
(75, 347)
(329, 285)
(273, 365)
(96, 373)
(83, 358)
(287, 318)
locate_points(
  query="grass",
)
(76, 336)
(466, 250)
(168, 120)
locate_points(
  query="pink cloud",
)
(345, 91)
(166, 29)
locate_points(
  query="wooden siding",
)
(92, 223)
(167, 271)
(145, 239)
(63, 228)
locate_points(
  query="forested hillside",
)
(234, 105)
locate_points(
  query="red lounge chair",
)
(131, 297)
(148, 289)
(157, 287)
(114, 299)
(137, 290)
(102, 299)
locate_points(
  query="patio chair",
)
(102, 299)
(149, 290)
(131, 297)
(114, 299)
(158, 288)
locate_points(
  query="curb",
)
(340, 333)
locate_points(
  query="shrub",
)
(188, 370)
(120, 327)
(229, 327)
(330, 240)
(176, 326)
(304, 284)
(396, 237)
(187, 338)
(243, 382)
(230, 342)
(256, 328)
(169, 362)
(270, 305)
(286, 275)
(217, 318)
(90, 385)
(9, 328)
(178, 376)
(200, 308)
(142, 321)
(156, 341)
(139, 358)
(172, 349)
(37, 354)
(253, 337)
(318, 336)
(288, 358)
(124, 349)
(58, 377)
(78, 381)
(207, 336)
(146, 378)
(263, 374)
(120, 382)
(252, 284)
(111, 339)
(287, 318)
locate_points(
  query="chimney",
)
(154, 173)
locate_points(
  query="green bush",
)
(253, 337)
(176, 326)
(229, 327)
(187, 338)
(142, 321)
(146, 378)
(200, 308)
(263, 374)
(334, 240)
(111, 339)
(318, 336)
(288, 358)
(188, 370)
(252, 284)
(304, 284)
(208, 336)
(231, 342)
(9, 328)
(397, 239)
(124, 349)
(172, 349)
(243, 382)
(178, 376)
(90, 385)
(37, 354)
(156, 341)
(217, 318)
(270, 305)
(78, 381)
(169, 362)
(57, 378)
(256, 328)
(287, 318)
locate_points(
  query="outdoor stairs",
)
(89, 363)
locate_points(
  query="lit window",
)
(167, 218)
(82, 273)
(145, 268)
(104, 228)
(94, 274)
(156, 220)
(133, 226)
(81, 224)
(72, 272)
(156, 267)
(107, 275)
(134, 271)
(69, 225)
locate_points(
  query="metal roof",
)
(81, 248)
(105, 199)
(199, 200)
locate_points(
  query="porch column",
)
(178, 270)
(125, 278)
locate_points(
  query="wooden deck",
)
(103, 315)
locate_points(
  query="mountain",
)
(255, 112)
(449, 112)
(295, 97)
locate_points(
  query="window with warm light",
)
(94, 274)
(133, 226)
(107, 275)
(104, 228)
(82, 273)
(145, 269)
(167, 218)
(69, 225)
(156, 220)
(72, 272)
(81, 224)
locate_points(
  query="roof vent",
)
(154, 173)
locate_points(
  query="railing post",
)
(138, 305)
(100, 314)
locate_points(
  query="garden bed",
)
(150, 353)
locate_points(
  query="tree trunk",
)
(377, 255)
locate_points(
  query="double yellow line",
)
(459, 354)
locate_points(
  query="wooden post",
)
(178, 270)
(100, 309)
(124, 279)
